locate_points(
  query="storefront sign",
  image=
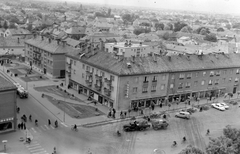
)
(7, 119)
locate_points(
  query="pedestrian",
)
(125, 114)
(208, 131)
(19, 126)
(49, 122)
(189, 102)
(114, 111)
(24, 126)
(160, 105)
(141, 111)
(18, 109)
(109, 114)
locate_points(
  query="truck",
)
(22, 93)
(158, 124)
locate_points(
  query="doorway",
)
(234, 90)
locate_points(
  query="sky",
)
(214, 6)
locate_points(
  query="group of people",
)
(112, 113)
(22, 126)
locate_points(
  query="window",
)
(112, 77)
(195, 83)
(188, 84)
(204, 73)
(203, 82)
(153, 88)
(171, 85)
(231, 71)
(162, 86)
(189, 76)
(144, 90)
(74, 71)
(145, 79)
(218, 73)
(102, 74)
(136, 79)
(216, 81)
(88, 68)
(164, 77)
(211, 73)
(237, 72)
(74, 62)
(12, 50)
(210, 82)
(173, 77)
(92, 70)
(134, 89)
(180, 86)
(196, 75)
(181, 76)
(154, 79)
(83, 66)
(236, 79)
(230, 79)
(83, 75)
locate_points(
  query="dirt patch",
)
(57, 91)
(77, 111)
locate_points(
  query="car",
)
(136, 126)
(183, 114)
(22, 93)
(218, 106)
(159, 124)
(224, 105)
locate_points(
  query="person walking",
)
(19, 126)
(49, 122)
(24, 126)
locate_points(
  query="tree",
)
(141, 30)
(166, 36)
(39, 15)
(5, 25)
(159, 26)
(127, 18)
(29, 27)
(228, 26)
(170, 25)
(178, 26)
(186, 29)
(210, 37)
(99, 14)
(220, 29)
(12, 25)
(202, 31)
(166, 27)
(191, 150)
(145, 24)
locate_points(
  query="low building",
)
(47, 55)
(8, 106)
(128, 49)
(12, 46)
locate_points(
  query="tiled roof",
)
(76, 30)
(11, 42)
(160, 64)
(72, 42)
(6, 85)
(52, 47)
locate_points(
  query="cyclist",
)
(36, 122)
(30, 117)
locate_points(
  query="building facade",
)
(8, 106)
(47, 55)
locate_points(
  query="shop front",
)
(7, 124)
(145, 103)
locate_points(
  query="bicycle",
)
(174, 144)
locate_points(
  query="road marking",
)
(64, 124)
(46, 127)
(43, 152)
(36, 150)
(32, 145)
(36, 147)
(43, 128)
(34, 130)
(52, 127)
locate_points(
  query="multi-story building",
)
(8, 103)
(128, 49)
(200, 76)
(120, 82)
(47, 55)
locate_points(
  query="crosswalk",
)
(35, 148)
(43, 128)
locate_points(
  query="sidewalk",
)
(97, 120)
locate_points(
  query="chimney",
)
(18, 40)
(49, 40)
(64, 43)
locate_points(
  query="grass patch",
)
(77, 111)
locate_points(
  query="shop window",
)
(162, 86)
(6, 126)
(171, 85)
(181, 76)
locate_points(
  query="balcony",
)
(89, 83)
(145, 84)
(189, 77)
(89, 72)
(37, 58)
(98, 87)
(211, 75)
(218, 74)
(181, 78)
(107, 91)
(108, 81)
(98, 77)
(187, 87)
(216, 83)
(180, 87)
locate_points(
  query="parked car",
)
(183, 114)
(136, 126)
(159, 124)
(218, 106)
(224, 105)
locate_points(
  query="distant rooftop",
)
(122, 45)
